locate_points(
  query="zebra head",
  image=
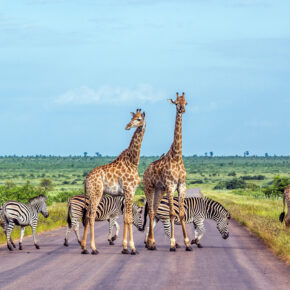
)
(222, 226)
(137, 217)
(39, 202)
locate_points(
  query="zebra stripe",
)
(110, 208)
(21, 214)
(197, 209)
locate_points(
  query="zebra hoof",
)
(199, 246)
(94, 252)
(188, 248)
(134, 252)
(172, 249)
(13, 245)
(65, 243)
(9, 248)
(125, 252)
(111, 243)
(114, 238)
(20, 246)
(177, 246)
(85, 252)
(37, 247)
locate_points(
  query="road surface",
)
(240, 262)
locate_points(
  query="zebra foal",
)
(197, 209)
(110, 208)
(22, 214)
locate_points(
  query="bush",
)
(23, 193)
(277, 186)
(231, 184)
(254, 177)
(198, 181)
(232, 173)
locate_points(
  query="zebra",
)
(110, 208)
(286, 198)
(197, 209)
(22, 214)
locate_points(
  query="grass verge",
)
(260, 216)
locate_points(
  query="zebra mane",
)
(207, 200)
(37, 198)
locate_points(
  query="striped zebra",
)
(22, 214)
(286, 199)
(197, 209)
(109, 208)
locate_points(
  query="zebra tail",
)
(282, 216)
(68, 219)
(145, 216)
(84, 217)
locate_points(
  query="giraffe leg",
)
(172, 216)
(149, 192)
(181, 191)
(84, 240)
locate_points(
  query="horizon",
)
(70, 80)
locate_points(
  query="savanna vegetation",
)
(250, 187)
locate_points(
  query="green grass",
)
(260, 216)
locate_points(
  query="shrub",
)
(198, 181)
(254, 177)
(277, 186)
(231, 184)
(232, 173)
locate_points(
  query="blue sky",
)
(72, 71)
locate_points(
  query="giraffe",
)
(286, 199)
(165, 176)
(117, 178)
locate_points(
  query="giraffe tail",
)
(145, 216)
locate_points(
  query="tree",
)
(246, 153)
(46, 184)
(266, 154)
(211, 154)
(98, 154)
(85, 154)
(205, 154)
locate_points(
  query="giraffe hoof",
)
(151, 248)
(114, 238)
(111, 243)
(188, 248)
(85, 252)
(146, 246)
(199, 246)
(134, 252)
(94, 252)
(172, 249)
(125, 252)
(37, 247)
(177, 246)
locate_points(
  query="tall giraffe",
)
(117, 178)
(165, 176)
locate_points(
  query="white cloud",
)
(110, 95)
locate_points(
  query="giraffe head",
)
(180, 103)
(138, 120)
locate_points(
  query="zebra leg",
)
(8, 232)
(200, 226)
(76, 229)
(181, 192)
(21, 237)
(117, 231)
(111, 225)
(68, 229)
(34, 236)
(12, 243)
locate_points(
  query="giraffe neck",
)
(176, 147)
(135, 145)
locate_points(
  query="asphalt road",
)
(240, 262)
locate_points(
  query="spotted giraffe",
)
(286, 199)
(165, 176)
(117, 178)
